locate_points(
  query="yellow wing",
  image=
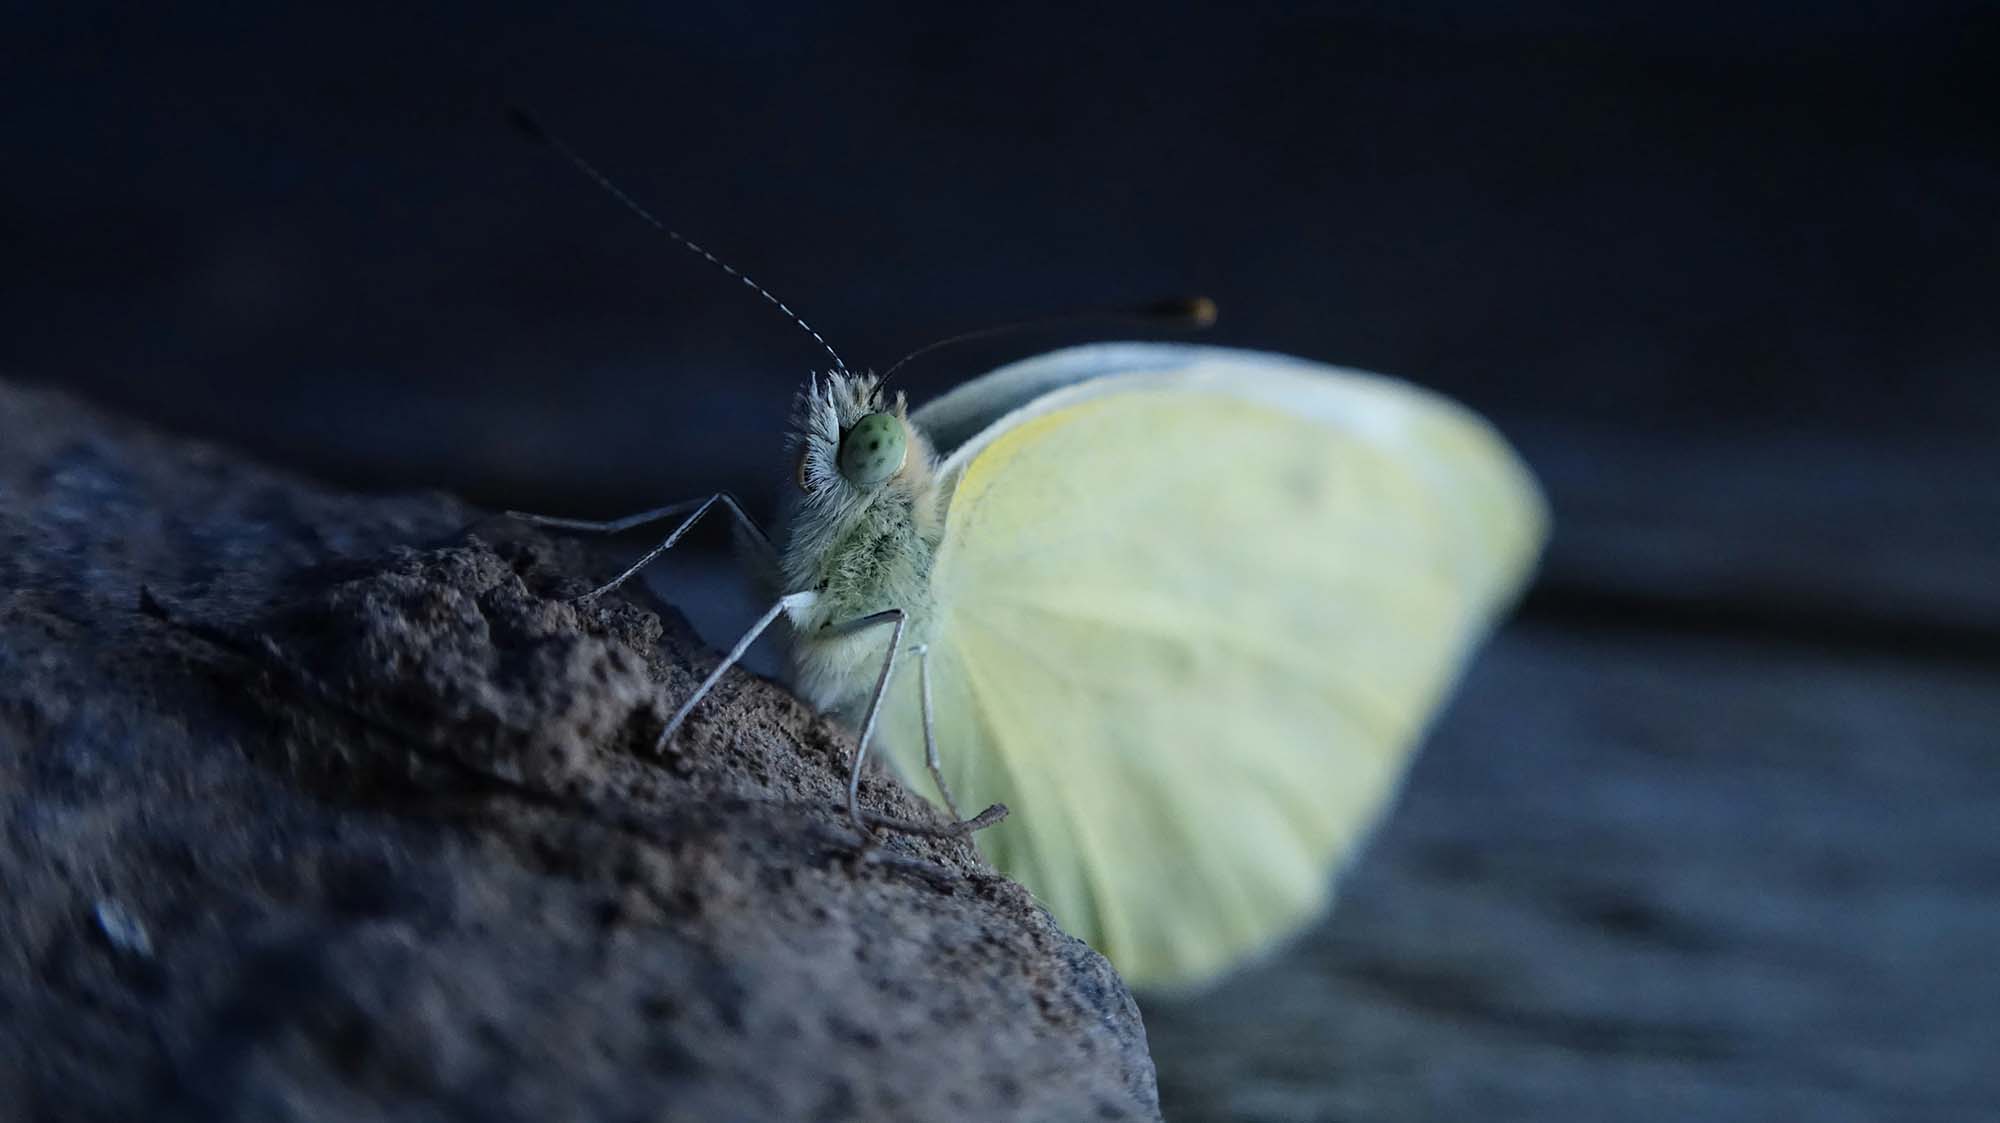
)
(1190, 623)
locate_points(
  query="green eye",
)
(873, 450)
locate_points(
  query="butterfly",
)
(1184, 611)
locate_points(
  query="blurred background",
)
(1712, 831)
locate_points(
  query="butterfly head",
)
(851, 440)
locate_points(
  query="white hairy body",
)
(860, 551)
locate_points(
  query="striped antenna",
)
(533, 130)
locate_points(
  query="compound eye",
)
(873, 450)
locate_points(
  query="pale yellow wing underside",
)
(1191, 623)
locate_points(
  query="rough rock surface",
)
(357, 819)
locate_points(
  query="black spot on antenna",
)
(525, 124)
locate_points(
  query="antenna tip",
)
(1196, 312)
(525, 124)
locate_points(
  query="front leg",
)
(793, 602)
(768, 555)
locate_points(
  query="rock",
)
(349, 814)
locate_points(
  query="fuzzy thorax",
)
(862, 548)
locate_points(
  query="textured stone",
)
(349, 815)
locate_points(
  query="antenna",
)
(533, 130)
(1191, 312)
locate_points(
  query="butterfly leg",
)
(785, 603)
(699, 507)
(896, 617)
(923, 651)
(957, 826)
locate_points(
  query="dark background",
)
(1726, 274)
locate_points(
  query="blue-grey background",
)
(1709, 834)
